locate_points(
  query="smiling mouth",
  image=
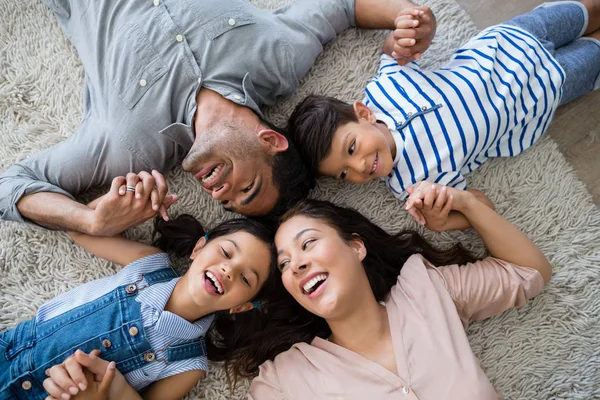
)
(212, 177)
(313, 284)
(214, 282)
(375, 164)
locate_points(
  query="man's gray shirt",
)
(144, 63)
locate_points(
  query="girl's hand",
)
(66, 379)
(430, 204)
(98, 390)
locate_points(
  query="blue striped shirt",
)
(162, 328)
(494, 98)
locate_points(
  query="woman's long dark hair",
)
(284, 322)
(225, 340)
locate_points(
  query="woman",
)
(381, 318)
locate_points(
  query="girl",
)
(377, 316)
(145, 318)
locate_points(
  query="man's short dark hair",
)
(291, 177)
(313, 123)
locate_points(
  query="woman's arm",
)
(503, 240)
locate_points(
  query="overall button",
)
(231, 22)
(424, 108)
(149, 357)
(133, 331)
(131, 288)
(106, 343)
(143, 83)
(26, 385)
(156, 3)
(405, 390)
(179, 38)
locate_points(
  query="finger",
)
(54, 390)
(448, 206)
(91, 362)
(108, 377)
(161, 185)
(430, 197)
(61, 378)
(132, 180)
(404, 34)
(440, 201)
(147, 184)
(405, 24)
(116, 185)
(76, 374)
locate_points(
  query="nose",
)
(226, 269)
(360, 166)
(299, 268)
(219, 192)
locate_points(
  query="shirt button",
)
(199, 80)
(409, 114)
(156, 3)
(405, 390)
(231, 21)
(106, 343)
(133, 331)
(143, 83)
(237, 97)
(26, 385)
(179, 38)
(424, 108)
(149, 357)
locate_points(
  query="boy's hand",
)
(435, 207)
(97, 390)
(415, 29)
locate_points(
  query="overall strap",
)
(161, 275)
(192, 349)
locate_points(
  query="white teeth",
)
(308, 287)
(215, 281)
(374, 165)
(212, 174)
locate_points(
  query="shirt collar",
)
(181, 134)
(156, 297)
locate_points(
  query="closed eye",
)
(248, 188)
(245, 280)
(225, 253)
(283, 264)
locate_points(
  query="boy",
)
(494, 98)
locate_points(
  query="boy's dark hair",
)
(313, 123)
(291, 177)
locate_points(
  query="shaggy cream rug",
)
(548, 350)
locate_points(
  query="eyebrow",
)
(252, 196)
(302, 232)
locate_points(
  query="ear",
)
(272, 141)
(358, 246)
(364, 112)
(247, 306)
(199, 245)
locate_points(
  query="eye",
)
(344, 174)
(245, 280)
(225, 253)
(283, 264)
(352, 147)
(247, 188)
(306, 243)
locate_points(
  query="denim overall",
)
(112, 323)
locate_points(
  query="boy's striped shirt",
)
(494, 98)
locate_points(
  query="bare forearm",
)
(379, 14)
(504, 240)
(55, 211)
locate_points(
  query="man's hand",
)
(121, 209)
(415, 29)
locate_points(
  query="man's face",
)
(232, 166)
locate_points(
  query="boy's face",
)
(360, 151)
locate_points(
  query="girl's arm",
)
(173, 387)
(116, 249)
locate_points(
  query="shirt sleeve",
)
(312, 24)
(84, 160)
(489, 287)
(388, 65)
(266, 385)
(450, 178)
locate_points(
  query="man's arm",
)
(379, 14)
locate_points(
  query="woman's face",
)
(321, 271)
(228, 270)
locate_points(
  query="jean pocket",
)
(226, 22)
(133, 65)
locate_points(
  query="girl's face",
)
(321, 271)
(229, 270)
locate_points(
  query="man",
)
(173, 80)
